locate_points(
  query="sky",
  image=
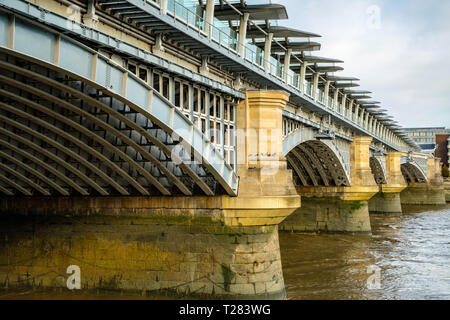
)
(400, 49)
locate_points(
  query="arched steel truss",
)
(316, 164)
(74, 122)
(413, 173)
(378, 170)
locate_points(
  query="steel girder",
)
(74, 122)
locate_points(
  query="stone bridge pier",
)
(425, 187)
(447, 191)
(391, 183)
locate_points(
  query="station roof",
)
(368, 103)
(359, 96)
(319, 69)
(256, 11)
(311, 59)
(357, 91)
(278, 32)
(328, 69)
(346, 85)
(339, 78)
(384, 119)
(295, 46)
(370, 106)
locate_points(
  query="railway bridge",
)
(160, 145)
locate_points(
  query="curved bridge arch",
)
(378, 170)
(72, 120)
(413, 173)
(314, 162)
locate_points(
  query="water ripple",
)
(412, 252)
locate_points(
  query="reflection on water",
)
(412, 252)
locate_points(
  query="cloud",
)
(403, 59)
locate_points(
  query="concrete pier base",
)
(137, 256)
(423, 194)
(181, 247)
(386, 203)
(329, 215)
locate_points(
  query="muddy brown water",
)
(411, 253)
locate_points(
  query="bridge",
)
(160, 146)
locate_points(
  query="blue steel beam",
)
(67, 56)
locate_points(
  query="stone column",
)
(350, 109)
(356, 113)
(335, 99)
(158, 48)
(90, 18)
(287, 64)
(366, 121)
(265, 184)
(243, 34)
(344, 104)
(361, 173)
(315, 85)
(209, 17)
(267, 52)
(302, 77)
(163, 6)
(326, 93)
(260, 121)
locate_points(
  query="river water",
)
(406, 257)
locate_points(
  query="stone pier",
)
(386, 203)
(195, 247)
(387, 200)
(211, 247)
(423, 194)
(431, 192)
(447, 191)
(338, 209)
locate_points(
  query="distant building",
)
(443, 148)
(426, 138)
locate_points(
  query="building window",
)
(143, 74)
(186, 101)
(229, 131)
(156, 82)
(166, 88)
(177, 101)
(196, 99)
(132, 68)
